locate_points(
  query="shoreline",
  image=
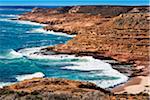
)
(104, 54)
(85, 53)
(115, 88)
(106, 91)
(38, 53)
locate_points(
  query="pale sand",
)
(134, 86)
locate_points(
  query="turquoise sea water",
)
(16, 63)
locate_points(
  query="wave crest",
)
(2, 84)
(29, 22)
(101, 69)
(22, 22)
(18, 9)
(10, 54)
(30, 76)
(98, 68)
(40, 30)
(8, 15)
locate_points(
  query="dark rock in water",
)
(13, 18)
(45, 51)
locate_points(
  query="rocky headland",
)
(120, 33)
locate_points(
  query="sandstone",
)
(121, 33)
(124, 37)
(60, 89)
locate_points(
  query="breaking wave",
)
(10, 54)
(40, 30)
(33, 53)
(2, 84)
(29, 22)
(8, 15)
(101, 69)
(96, 67)
(19, 9)
(30, 76)
(22, 22)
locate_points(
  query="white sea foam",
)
(40, 30)
(4, 19)
(105, 68)
(2, 84)
(30, 23)
(22, 22)
(30, 76)
(92, 64)
(14, 54)
(98, 67)
(19, 9)
(10, 54)
(8, 15)
(32, 53)
(121, 78)
(28, 52)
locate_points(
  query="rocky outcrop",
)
(106, 11)
(53, 89)
(121, 33)
(124, 38)
(60, 89)
(51, 11)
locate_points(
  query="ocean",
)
(19, 40)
